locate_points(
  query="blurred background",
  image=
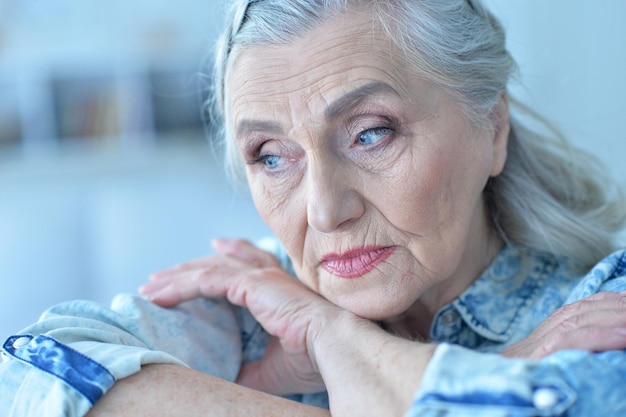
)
(106, 174)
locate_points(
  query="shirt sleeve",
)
(461, 382)
(64, 363)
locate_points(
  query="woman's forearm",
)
(170, 390)
(366, 370)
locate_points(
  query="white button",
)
(545, 398)
(21, 342)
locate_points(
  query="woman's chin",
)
(375, 310)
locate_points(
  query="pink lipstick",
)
(356, 262)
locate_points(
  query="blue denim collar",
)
(502, 295)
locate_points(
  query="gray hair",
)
(549, 196)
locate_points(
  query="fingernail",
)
(219, 244)
(157, 275)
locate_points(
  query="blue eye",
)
(372, 136)
(270, 161)
(273, 161)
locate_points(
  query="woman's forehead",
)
(313, 71)
(345, 104)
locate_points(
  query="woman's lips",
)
(356, 262)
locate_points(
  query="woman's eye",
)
(372, 136)
(272, 161)
(269, 161)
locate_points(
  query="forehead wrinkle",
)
(355, 97)
(310, 77)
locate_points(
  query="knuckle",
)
(547, 347)
(555, 342)
(203, 274)
(544, 350)
(571, 323)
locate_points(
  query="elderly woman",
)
(434, 241)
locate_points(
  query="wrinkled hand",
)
(252, 278)
(596, 323)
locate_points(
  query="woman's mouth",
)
(356, 262)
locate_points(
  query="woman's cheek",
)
(278, 208)
(268, 204)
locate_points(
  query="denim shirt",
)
(62, 365)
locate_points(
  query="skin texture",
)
(346, 150)
(174, 391)
(365, 370)
(311, 335)
(414, 186)
(596, 324)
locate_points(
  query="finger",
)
(152, 287)
(182, 267)
(239, 249)
(183, 285)
(245, 251)
(236, 248)
(606, 308)
(186, 286)
(593, 339)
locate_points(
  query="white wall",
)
(93, 227)
(572, 57)
(88, 227)
(77, 222)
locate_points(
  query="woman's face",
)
(371, 177)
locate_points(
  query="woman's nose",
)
(332, 200)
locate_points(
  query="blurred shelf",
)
(102, 110)
(86, 76)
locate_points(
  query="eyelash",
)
(387, 124)
(376, 130)
(260, 159)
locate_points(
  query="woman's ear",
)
(500, 135)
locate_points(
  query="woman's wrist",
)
(366, 370)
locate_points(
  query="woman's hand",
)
(596, 323)
(366, 371)
(252, 278)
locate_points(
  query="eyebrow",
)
(355, 97)
(248, 126)
(338, 107)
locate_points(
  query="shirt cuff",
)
(461, 382)
(63, 364)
